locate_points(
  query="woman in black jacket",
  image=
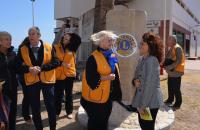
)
(8, 74)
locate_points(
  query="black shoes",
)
(28, 120)
(173, 106)
(169, 104)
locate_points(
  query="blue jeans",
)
(34, 98)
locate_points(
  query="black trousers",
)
(25, 104)
(61, 86)
(34, 98)
(148, 125)
(98, 114)
(13, 110)
(174, 85)
(25, 101)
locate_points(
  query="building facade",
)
(165, 17)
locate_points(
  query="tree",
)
(101, 9)
(122, 2)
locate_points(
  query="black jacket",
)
(8, 70)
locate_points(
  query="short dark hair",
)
(155, 45)
(35, 28)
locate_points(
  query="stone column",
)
(123, 20)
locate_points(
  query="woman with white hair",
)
(100, 84)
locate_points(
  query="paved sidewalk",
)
(192, 65)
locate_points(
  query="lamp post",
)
(33, 10)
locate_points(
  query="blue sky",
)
(16, 18)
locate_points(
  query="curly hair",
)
(155, 45)
(74, 43)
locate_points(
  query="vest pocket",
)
(48, 76)
(60, 73)
(96, 95)
(30, 78)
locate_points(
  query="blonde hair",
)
(5, 34)
(97, 37)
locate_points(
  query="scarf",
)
(112, 60)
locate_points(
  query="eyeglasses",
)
(111, 40)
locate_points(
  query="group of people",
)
(39, 66)
(101, 79)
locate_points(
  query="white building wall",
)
(72, 8)
(194, 5)
(154, 8)
(182, 18)
(78, 9)
(62, 8)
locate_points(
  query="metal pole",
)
(33, 11)
(164, 27)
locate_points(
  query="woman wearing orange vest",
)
(100, 83)
(37, 60)
(175, 71)
(66, 72)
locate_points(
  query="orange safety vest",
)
(180, 67)
(101, 93)
(69, 58)
(47, 77)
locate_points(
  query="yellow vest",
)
(101, 93)
(180, 67)
(69, 58)
(47, 77)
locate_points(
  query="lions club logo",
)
(125, 45)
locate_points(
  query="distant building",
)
(182, 19)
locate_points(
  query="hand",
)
(38, 68)
(137, 83)
(66, 65)
(1, 85)
(2, 126)
(63, 26)
(109, 77)
(35, 70)
(142, 111)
